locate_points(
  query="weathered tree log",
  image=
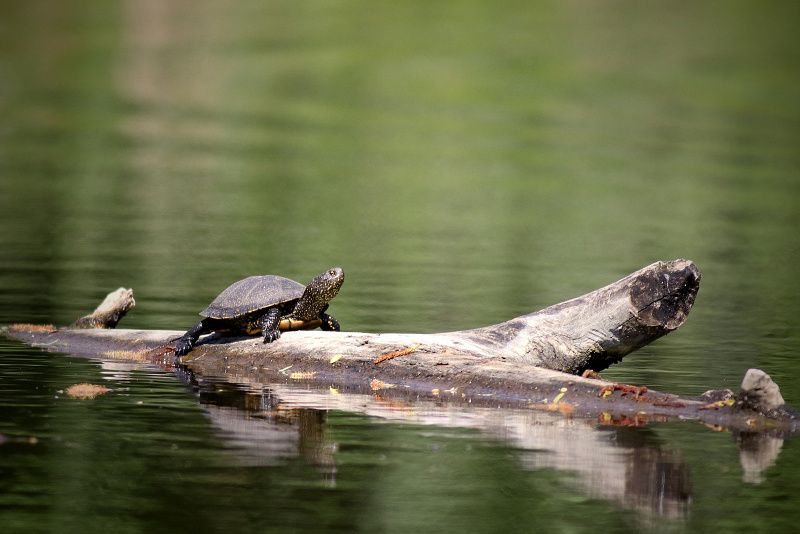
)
(524, 360)
(587, 333)
(597, 329)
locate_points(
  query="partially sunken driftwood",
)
(534, 360)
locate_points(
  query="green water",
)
(465, 163)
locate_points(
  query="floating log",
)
(534, 360)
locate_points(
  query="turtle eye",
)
(332, 272)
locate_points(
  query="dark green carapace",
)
(258, 303)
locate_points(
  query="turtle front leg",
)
(188, 340)
(269, 325)
(329, 323)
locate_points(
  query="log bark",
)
(533, 360)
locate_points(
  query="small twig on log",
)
(396, 353)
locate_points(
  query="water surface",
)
(465, 163)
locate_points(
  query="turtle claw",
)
(182, 348)
(271, 335)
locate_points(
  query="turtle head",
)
(318, 293)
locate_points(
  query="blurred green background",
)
(465, 162)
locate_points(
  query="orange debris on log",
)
(396, 353)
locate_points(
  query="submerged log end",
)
(109, 312)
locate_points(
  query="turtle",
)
(259, 303)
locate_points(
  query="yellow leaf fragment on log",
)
(563, 407)
(718, 404)
(336, 358)
(559, 396)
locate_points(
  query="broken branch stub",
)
(109, 312)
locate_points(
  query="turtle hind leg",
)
(269, 325)
(187, 341)
(329, 324)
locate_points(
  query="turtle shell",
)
(252, 294)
